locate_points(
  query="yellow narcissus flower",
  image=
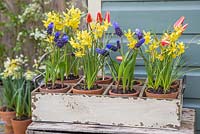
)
(50, 39)
(74, 44)
(72, 18)
(172, 50)
(98, 31)
(79, 53)
(29, 75)
(85, 38)
(129, 35)
(106, 25)
(160, 57)
(132, 41)
(181, 48)
(153, 46)
(147, 37)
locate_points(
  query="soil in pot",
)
(81, 89)
(20, 126)
(106, 80)
(70, 79)
(57, 88)
(160, 93)
(6, 116)
(127, 93)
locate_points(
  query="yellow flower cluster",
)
(130, 37)
(98, 29)
(71, 19)
(57, 20)
(82, 42)
(12, 68)
(167, 46)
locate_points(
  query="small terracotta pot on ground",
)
(96, 91)
(20, 126)
(58, 88)
(171, 95)
(107, 80)
(6, 118)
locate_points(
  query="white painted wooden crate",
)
(106, 110)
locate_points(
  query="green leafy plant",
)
(163, 57)
(124, 72)
(87, 44)
(16, 88)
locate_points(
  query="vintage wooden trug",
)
(187, 127)
(106, 110)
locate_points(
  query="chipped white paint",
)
(106, 110)
(94, 6)
(187, 127)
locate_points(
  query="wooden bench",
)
(187, 127)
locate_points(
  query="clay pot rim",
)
(73, 87)
(4, 107)
(58, 81)
(108, 79)
(68, 86)
(125, 95)
(28, 119)
(162, 96)
(88, 92)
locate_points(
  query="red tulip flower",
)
(119, 58)
(99, 17)
(179, 22)
(165, 43)
(107, 17)
(89, 18)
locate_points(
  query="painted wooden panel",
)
(106, 110)
(155, 16)
(187, 127)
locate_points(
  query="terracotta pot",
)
(124, 95)
(20, 127)
(172, 95)
(68, 81)
(107, 80)
(175, 84)
(96, 91)
(59, 90)
(6, 118)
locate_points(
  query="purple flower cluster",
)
(118, 30)
(105, 51)
(140, 37)
(50, 28)
(60, 42)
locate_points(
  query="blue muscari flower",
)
(112, 47)
(56, 37)
(59, 43)
(118, 30)
(138, 33)
(50, 28)
(103, 52)
(65, 38)
(139, 43)
(118, 44)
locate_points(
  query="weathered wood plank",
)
(187, 127)
(106, 110)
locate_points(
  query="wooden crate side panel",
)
(136, 112)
